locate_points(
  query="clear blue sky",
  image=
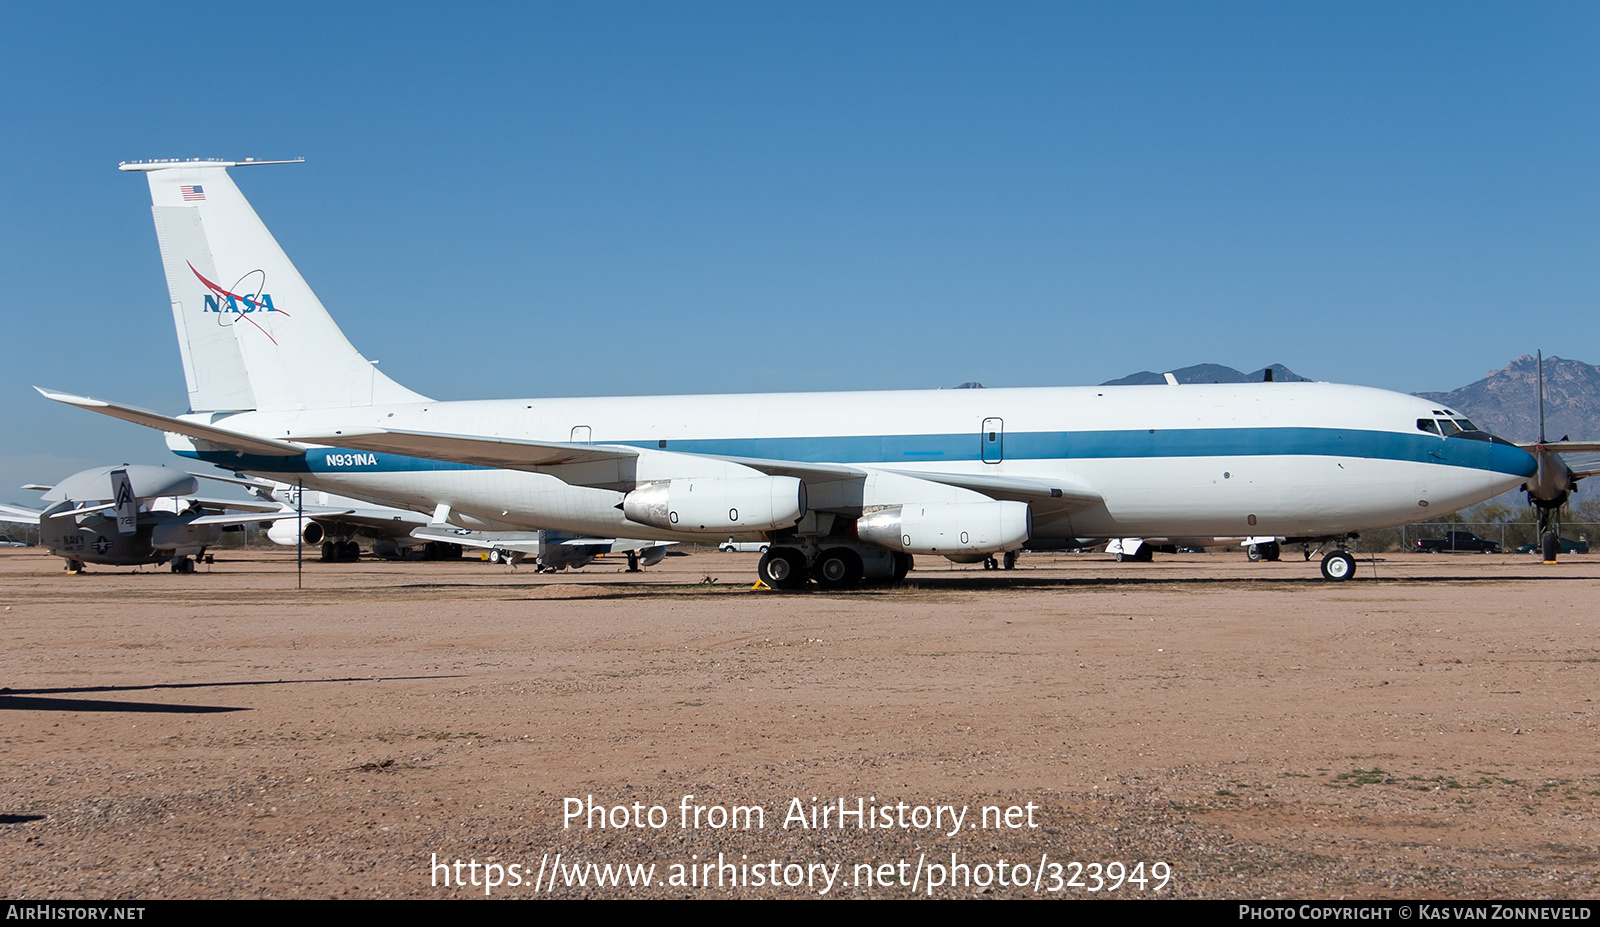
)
(531, 200)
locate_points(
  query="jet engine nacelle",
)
(715, 506)
(290, 531)
(948, 527)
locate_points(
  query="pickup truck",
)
(1457, 542)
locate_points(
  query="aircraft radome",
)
(846, 485)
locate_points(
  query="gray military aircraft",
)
(551, 550)
(133, 515)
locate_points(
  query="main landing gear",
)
(1270, 552)
(340, 551)
(844, 565)
(1338, 565)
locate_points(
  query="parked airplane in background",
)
(132, 515)
(845, 486)
(550, 550)
(335, 523)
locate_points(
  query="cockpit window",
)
(1466, 425)
(1448, 427)
(1426, 424)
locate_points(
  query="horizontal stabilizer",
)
(83, 510)
(222, 437)
(1564, 447)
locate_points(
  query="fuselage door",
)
(994, 440)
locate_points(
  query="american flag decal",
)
(190, 194)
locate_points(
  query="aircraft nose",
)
(1506, 457)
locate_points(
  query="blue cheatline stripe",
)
(326, 460)
(1037, 445)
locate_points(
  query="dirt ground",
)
(1247, 730)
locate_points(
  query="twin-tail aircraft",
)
(845, 486)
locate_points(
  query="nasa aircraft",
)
(131, 516)
(844, 485)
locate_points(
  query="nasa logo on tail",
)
(239, 301)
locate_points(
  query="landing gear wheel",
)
(496, 555)
(182, 565)
(1550, 546)
(633, 561)
(1270, 552)
(783, 568)
(1145, 554)
(328, 555)
(902, 565)
(1338, 566)
(74, 566)
(839, 568)
(1254, 553)
(1010, 561)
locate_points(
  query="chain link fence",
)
(1509, 535)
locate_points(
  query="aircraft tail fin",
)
(252, 333)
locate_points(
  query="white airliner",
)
(844, 485)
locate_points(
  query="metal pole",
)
(300, 534)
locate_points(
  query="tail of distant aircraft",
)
(252, 333)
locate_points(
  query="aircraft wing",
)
(1046, 496)
(222, 437)
(381, 522)
(248, 519)
(17, 515)
(1053, 496)
(1584, 464)
(813, 472)
(526, 542)
(242, 505)
(499, 453)
(1564, 447)
(250, 483)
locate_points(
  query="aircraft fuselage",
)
(1286, 459)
